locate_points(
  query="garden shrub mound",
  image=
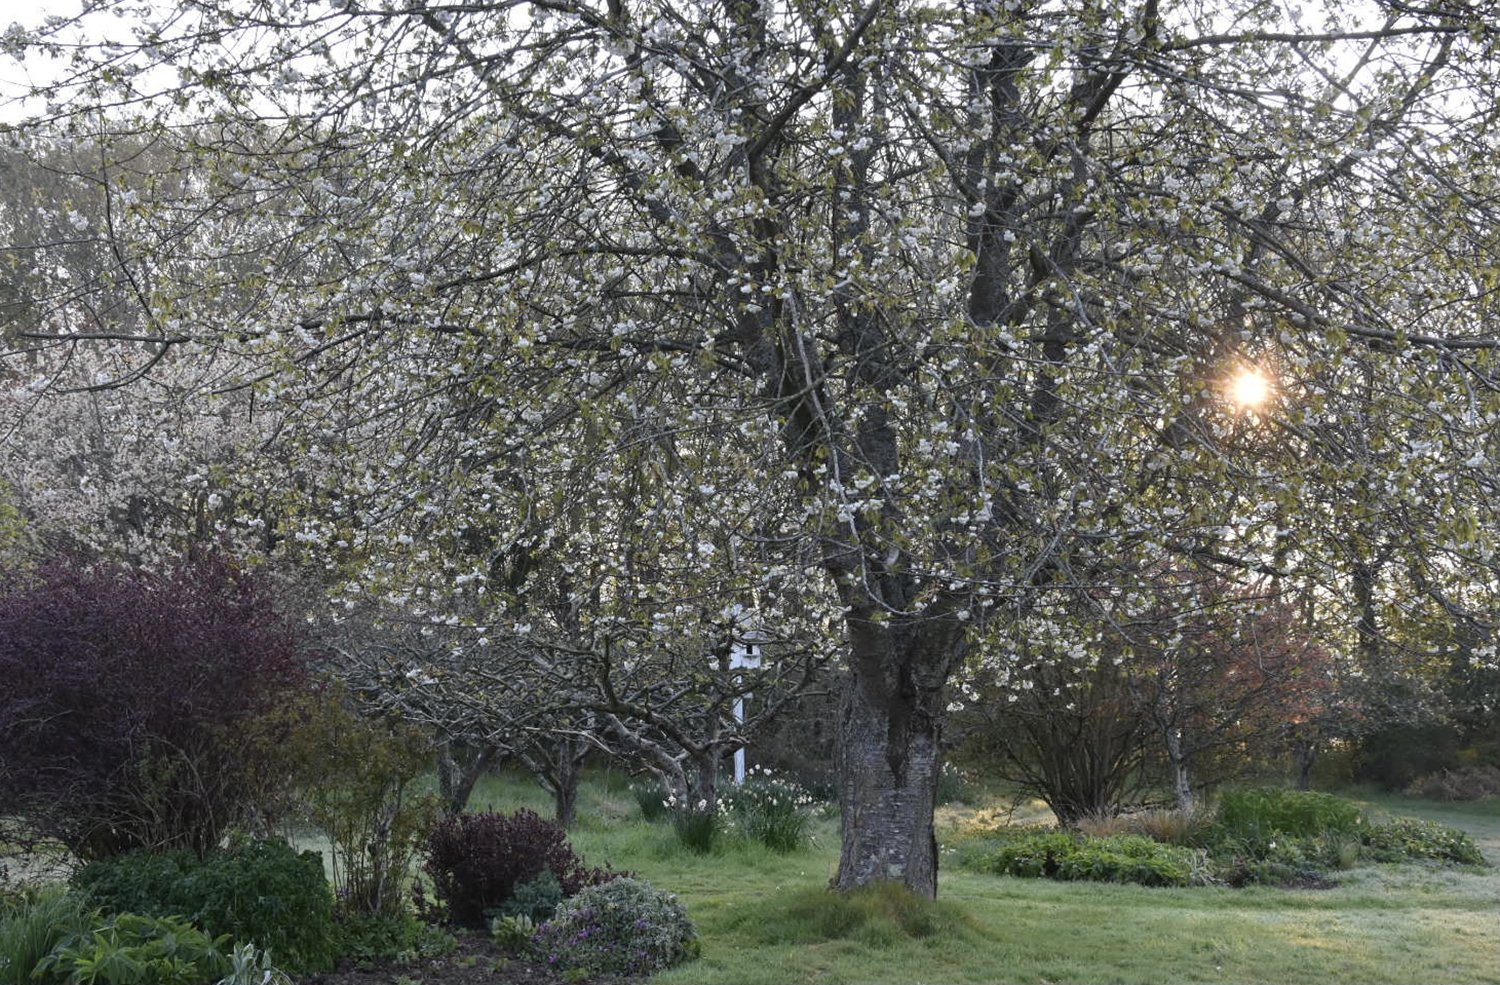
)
(259, 892)
(1408, 838)
(622, 927)
(1295, 813)
(477, 862)
(1275, 837)
(143, 710)
(1294, 837)
(1464, 783)
(1072, 857)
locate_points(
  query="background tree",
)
(1221, 667)
(1068, 731)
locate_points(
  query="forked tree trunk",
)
(459, 771)
(889, 763)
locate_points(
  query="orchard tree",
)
(1218, 668)
(142, 473)
(548, 701)
(922, 311)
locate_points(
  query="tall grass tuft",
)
(651, 797)
(880, 915)
(699, 830)
(1173, 827)
(1170, 827)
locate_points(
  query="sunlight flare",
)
(1249, 388)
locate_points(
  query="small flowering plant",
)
(698, 826)
(652, 798)
(624, 927)
(770, 809)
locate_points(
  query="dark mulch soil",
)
(477, 961)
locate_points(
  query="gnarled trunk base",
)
(889, 763)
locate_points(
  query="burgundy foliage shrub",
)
(476, 861)
(133, 705)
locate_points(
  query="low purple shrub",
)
(476, 861)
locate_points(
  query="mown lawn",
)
(766, 918)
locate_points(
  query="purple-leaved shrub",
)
(136, 707)
(476, 861)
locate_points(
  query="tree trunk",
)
(1306, 753)
(456, 779)
(889, 764)
(1182, 772)
(565, 797)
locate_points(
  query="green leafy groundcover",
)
(1260, 836)
(1075, 857)
(263, 892)
(1409, 838)
(130, 949)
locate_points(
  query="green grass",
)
(767, 918)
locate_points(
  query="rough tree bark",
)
(456, 779)
(1182, 770)
(890, 753)
(1306, 753)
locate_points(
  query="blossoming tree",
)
(919, 311)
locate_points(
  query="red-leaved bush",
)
(476, 861)
(134, 706)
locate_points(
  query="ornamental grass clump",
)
(624, 927)
(772, 810)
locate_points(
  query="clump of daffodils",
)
(773, 810)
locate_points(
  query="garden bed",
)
(476, 961)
